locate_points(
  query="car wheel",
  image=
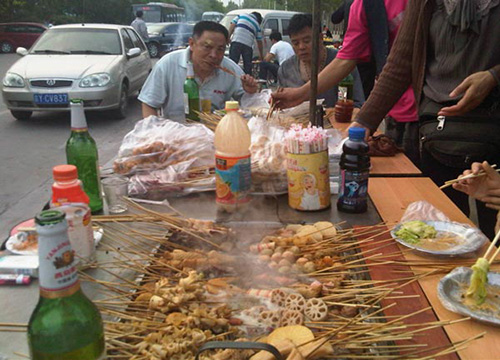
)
(154, 49)
(21, 115)
(6, 47)
(121, 111)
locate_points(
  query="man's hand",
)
(289, 97)
(475, 88)
(484, 188)
(250, 85)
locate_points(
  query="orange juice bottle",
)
(232, 160)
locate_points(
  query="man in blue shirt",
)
(245, 29)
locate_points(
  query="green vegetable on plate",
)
(413, 231)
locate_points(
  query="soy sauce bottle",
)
(354, 173)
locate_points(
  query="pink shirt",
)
(357, 46)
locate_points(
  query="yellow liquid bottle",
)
(232, 160)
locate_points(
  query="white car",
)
(98, 63)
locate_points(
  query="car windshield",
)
(155, 28)
(79, 41)
(226, 20)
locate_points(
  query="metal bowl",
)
(450, 292)
(472, 238)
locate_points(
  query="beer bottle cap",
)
(64, 172)
(48, 217)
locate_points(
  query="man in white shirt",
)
(140, 26)
(164, 88)
(280, 51)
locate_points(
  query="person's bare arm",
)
(269, 57)
(148, 110)
(331, 75)
(261, 49)
(231, 29)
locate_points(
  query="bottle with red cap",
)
(68, 196)
(67, 188)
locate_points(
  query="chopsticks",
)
(490, 248)
(470, 176)
(273, 106)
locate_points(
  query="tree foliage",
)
(119, 11)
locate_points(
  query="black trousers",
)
(238, 50)
(268, 67)
(440, 173)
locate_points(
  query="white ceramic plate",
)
(17, 238)
(471, 239)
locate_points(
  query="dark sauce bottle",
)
(354, 173)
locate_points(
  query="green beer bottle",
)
(346, 88)
(65, 324)
(191, 95)
(81, 151)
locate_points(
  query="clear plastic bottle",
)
(68, 196)
(354, 173)
(67, 188)
(232, 160)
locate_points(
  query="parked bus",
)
(155, 12)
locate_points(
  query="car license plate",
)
(51, 98)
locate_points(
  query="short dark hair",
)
(299, 22)
(275, 35)
(203, 26)
(139, 13)
(258, 16)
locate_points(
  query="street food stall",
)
(177, 278)
(378, 298)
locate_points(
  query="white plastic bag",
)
(423, 211)
(157, 143)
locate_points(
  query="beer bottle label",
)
(57, 263)
(342, 94)
(186, 104)
(232, 179)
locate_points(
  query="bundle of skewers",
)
(196, 286)
(306, 140)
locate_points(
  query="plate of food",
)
(439, 237)
(472, 292)
(26, 242)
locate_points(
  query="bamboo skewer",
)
(226, 70)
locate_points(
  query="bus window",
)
(159, 12)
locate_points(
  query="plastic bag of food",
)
(178, 179)
(268, 156)
(157, 143)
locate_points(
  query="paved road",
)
(29, 150)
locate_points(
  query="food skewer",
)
(226, 70)
(470, 176)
